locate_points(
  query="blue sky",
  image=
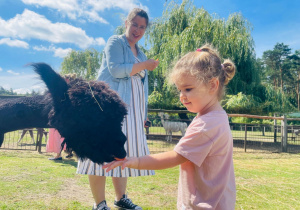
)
(46, 30)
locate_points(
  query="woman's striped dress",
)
(133, 128)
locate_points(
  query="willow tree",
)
(183, 28)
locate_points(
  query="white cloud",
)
(12, 72)
(36, 88)
(14, 43)
(99, 41)
(58, 52)
(71, 8)
(22, 83)
(30, 25)
(88, 9)
(125, 5)
(93, 16)
(65, 5)
(1, 69)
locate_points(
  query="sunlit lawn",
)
(28, 180)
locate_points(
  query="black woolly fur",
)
(88, 114)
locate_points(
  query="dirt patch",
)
(70, 190)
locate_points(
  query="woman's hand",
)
(148, 64)
(132, 162)
(151, 64)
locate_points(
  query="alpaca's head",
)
(88, 115)
(161, 114)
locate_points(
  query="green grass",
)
(28, 180)
(267, 181)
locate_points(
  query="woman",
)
(124, 67)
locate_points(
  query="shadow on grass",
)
(71, 162)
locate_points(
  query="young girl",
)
(205, 152)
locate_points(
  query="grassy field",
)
(28, 180)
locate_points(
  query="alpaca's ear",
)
(57, 85)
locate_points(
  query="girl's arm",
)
(149, 162)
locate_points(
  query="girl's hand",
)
(151, 64)
(132, 162)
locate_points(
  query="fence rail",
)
(246, 137)
(27, 139)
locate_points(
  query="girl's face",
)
(196, 96)
(135, 29)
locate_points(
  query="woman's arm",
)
(115, 58)
(118, 66)
(149, 162)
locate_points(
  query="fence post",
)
(39, 138)
(262, 130)
(284, 134)
(245, 141)
(275, 129)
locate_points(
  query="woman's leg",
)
(120, 184)
(122, 201)
(97, 185)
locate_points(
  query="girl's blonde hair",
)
(204, 64)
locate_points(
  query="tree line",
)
(10, 92)
(264, 86)
(7, 92)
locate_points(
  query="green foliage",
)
(245, 120)
(183, 28)
(155, 99)
(84, 63)
(277, 101)
(10, 92)
(167, 99)
(276, 65)
(242, 104)
(120, 30)
(6, 92)
(280, 73)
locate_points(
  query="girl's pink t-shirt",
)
(207, 179)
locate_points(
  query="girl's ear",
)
(214, 85)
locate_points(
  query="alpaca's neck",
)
(162, 120)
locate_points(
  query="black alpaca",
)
(88, 115)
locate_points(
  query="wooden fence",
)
(277, 138)
(246, 137)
